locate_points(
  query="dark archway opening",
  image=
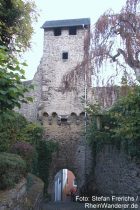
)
(65, 186)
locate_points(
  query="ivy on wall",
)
(45, 150)
(118, 126)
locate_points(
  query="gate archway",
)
(64, 186)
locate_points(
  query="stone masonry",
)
(63, 117)
(62, 112)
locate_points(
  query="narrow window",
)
(72, 31)
(65, 55)
(57, 32)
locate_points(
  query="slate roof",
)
(66, 23)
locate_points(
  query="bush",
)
(45, 151)
(11, 125)
(12, 169)
(15, 128)
(26, 151)
(119, 125)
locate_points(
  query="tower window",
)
(57, 32)
(72, 31)
(65, 55)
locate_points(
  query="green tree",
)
(16, 17)
(126, 114)
(11, 87)
(118, 126)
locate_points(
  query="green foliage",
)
(16, 17)
(12, 89)
(126, 113)
(45, 150)
(26, 151)
(37, 153)
(119, 126)
(11, 125)
(14, 127)
(32, 133)
(12, 169)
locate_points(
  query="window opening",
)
(57, 31)
(72, 31)
(64, 120)
(65, 55)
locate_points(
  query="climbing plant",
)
(118, 126)
(45, 151)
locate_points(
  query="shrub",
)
(12, 169)
(26, 151)
(119, 125)
(11, 124)
(14, 127)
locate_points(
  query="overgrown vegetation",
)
(12, 169)
(12, 89)
(16, 29)
(118, 126)
(45, 151)
(16, 17)
(26, 151)
(15, 128)
(24, 138)
(17, 135)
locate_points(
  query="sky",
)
(63, 9)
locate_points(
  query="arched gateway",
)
(61, 111)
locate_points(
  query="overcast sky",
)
(63, 9)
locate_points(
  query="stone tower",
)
(61, 110)
(63, 50)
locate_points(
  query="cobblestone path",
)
(62, 206)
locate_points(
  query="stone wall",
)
(106, 96)
(30, 110)
(73, 153)
(54, 67)
(21, 197)
(116, 174)
(15, 198)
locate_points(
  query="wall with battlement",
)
(72, 152)
(61, 112)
